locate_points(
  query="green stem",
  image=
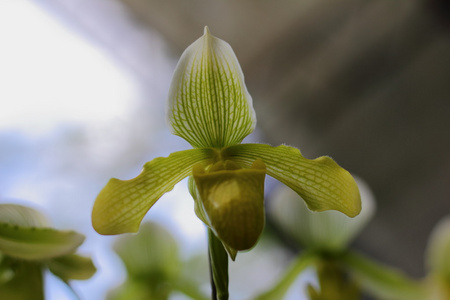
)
(303, 261)
(218, 259)
(27, 282)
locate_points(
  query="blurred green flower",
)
(390, 284)
(328, 231)
(28, 246)
(326, 237)
(209, 106)
(153, 266)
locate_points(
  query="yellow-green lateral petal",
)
(32, 243)
(122, 204)
(321, 182)
(208, 104)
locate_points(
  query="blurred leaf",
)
(382, 281)
(72, 266)
(32, 243)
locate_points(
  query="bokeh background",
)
(83, 84)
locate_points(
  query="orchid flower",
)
(28, 246)
(209, 106)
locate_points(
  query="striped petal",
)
(208, 104)
(122, 204)
(321, 182)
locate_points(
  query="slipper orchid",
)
(209, 106)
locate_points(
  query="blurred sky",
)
(68, 112)
(71, 117)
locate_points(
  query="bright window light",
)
(50, 76)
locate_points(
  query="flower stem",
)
(302, 262)
(218, 264)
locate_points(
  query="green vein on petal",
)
(321, 182)
(208, 103)
(122, 204)
(32, 243)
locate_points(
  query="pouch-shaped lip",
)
(233, 201)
